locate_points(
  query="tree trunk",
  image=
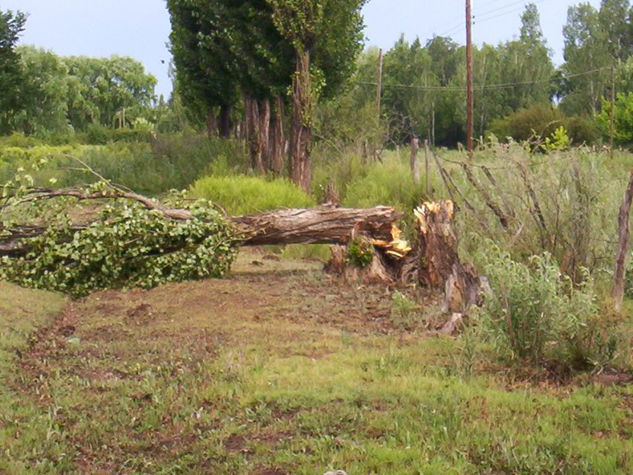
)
(623, 245)
(302, 102)
(224, 122)
(251, 107)
(325, 224)
(434, 261)
(212, 124)
(277, 137)
(263, 132)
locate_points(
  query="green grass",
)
(25, 424)
(240, 194)
(280, 369)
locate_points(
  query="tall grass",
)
(244, 194)
(168, 162)
(562, 203)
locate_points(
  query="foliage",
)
(126, 246)
(244, 194)
(359, 252)
(101, 88)
(11, 25)
(595, 41)
(623, 118)
(558, 140)
(44, 101)
(384, 183)
(571, 213)
(535, 122)
(582, 130)
(538, 315)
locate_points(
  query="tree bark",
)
(325, 224)
(253, 135)
(277, 137)
(212, 124)
(302, 102)
(224, 122)
(263, 132)
(623, 245)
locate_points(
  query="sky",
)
(140, 28)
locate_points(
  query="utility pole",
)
(612, 115)
(379, 83)
(469, 81)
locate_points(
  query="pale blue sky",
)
(140, 28)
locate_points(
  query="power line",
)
(494, 14)
(485, 86)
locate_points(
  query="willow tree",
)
(330, 30)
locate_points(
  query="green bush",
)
(384, 183)
(623, 118)
(537, 315)
(582, 130)
(243, 194)
(538, 120)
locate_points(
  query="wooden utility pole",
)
(379, 83)
(469, 81)
(612, 115)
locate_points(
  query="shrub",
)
(538, 120)
(623, 118)
(243, 194)
(537, 315)
(384, 183)
(582, 130)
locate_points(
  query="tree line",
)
(282, 73)
(44, 93)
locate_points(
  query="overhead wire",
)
(484, 86)
(492, 15)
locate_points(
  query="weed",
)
(538, 315)
(405, 313)
(360, 253)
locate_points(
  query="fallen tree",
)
(132, 240)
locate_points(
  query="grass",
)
(25, 425)
(280, 369)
